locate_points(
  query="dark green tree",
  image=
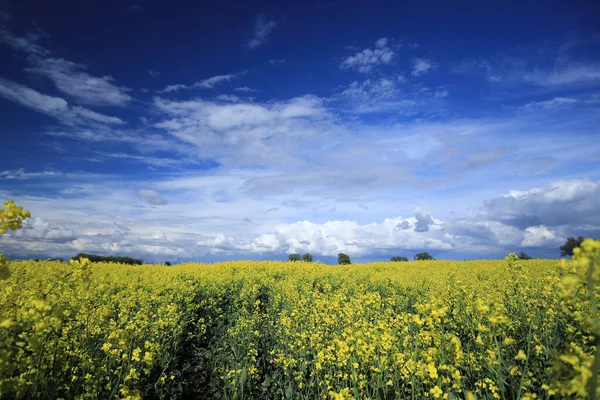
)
(423, 256)
(343, 259)
(524, 256)
(114, 259)
(398, 259)
(307, 257)
(168, 263)
(571, 244)
(295, 257)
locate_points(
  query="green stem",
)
(596, 364)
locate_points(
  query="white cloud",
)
(208, 83)
(53, 106)
(244, 89)
(537, 236)
(152, 197)
(71, 79)
(68, 77)
(543, 67)
(94, 116)
(568, 75)
(40, 230)
(555, 103)
(366, 60)
(277, 61)
(27, 44)
(376, 95)
(21, 174)
(31, 98)
(241, 132)
(421, 66)
(229, 97)
(262, 30)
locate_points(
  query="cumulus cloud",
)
(366, 60)
(537, 236)
(262, 30)
(41, 230)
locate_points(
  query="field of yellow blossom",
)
(506, 329)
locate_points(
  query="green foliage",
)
(307, 257)
(168, 263)
(570, 245)
(398, 259)
(114, 259)
(343, 259)
(295, 257)
(524, 256)
(424, 256)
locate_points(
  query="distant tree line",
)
(114, 259)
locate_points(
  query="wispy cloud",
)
(554, 103)
(53, 106)
(69, 77)
(27, 44)
(152, 197)
(94, 116)
(21, 174)
(208, 83)
(366, 60)
(421, 66)
(262, 30)
(277, 61)
(569, 74)
(244, 89)
(550, 68)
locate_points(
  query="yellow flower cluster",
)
(248, 330)
(11, 218)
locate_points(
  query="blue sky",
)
(250, 130)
